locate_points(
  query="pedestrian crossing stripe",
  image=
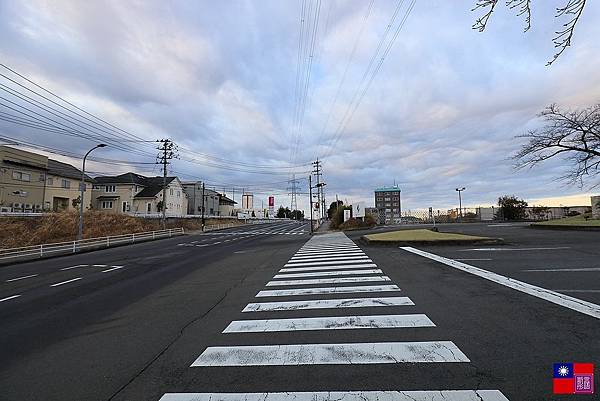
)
(332, 273)
(327, 290)
(409, 395)
(331, 354)
(328, 267)
(328, 304)
(336, 280)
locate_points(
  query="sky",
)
(253, 91)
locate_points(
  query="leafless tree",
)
(562, 39)
(574, 134)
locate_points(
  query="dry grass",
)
(571, 221)
(59, 227)
(420, 235)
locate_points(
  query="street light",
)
(459, 190)
(82, 190)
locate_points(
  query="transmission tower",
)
(293, 188)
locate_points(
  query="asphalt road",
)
(257, 310)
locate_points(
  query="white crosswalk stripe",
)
(328, 304)
(333, 273)
(328, 267)
(329, 323)
(327, 290)
(329, 262)
(336, 280)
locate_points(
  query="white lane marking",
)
(329, 323)
(411, 395)
(74, 267)
(21, 278)
(338, 280)
(9, 298)
(333, 273)
(331, 354)
(342, 259)
(113, 268)
(328, 267)
(65, 282)
(575, 269)
(331, 262)
(592, 291)
(517, 249)
(329, 254)
(328, 249)
(472, 260)
(566, 301)
(328, 304)
(100, 265)
(215, 243)
(327, 290)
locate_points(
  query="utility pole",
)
(166, 148)
(459, 190)
(310, 204)
(202, 206)
(320, 195)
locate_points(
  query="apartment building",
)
(388, 202)
(136, 194)
(30, 182)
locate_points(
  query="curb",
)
(564, 228)
(456, 242)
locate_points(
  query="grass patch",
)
(571, 221)
(421, 235)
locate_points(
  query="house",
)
(136, 194)
(194, 192)
(30, 182)
(226, 206)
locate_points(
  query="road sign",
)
(358, 209)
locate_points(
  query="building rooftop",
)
(388, 189)
(65, 170)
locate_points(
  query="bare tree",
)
(574, 134)
(562, 39)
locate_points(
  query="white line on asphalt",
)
(21, 278)
(113, 268)
(329, 254)
(575, 269)
(74, 267)
(593, 291)
(329, 323)
(337, 280)
(328, 248)
(327, 290)
(575, 304)
(9, 298)
(100, 265)
(328, 304)
(333, 273)
(215, 243)
(517, 249)
(339, 258)
(472, 260)
(330, 262)
(331, 354)
(65, 282)
(328, 267)
(412, 395)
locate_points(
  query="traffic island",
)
(577, 223)
(426, 237)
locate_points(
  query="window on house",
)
(42, 177)
(110, 188)
(65, 184)
(148, 207)
(50, 181)
(178, 194)
(107, 204)
(171, 191)
(125, 207)
(21, 176)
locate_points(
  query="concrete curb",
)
(491, 241)
(564, 228)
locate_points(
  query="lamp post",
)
(459, 190)
(82, 190)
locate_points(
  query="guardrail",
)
(214, 227)
(61, 248)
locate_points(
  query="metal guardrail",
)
(214, 227)
(58, 248)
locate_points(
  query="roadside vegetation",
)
(581, 220)
(62, 226)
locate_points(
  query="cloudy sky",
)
(254, 90)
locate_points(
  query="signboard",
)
(347, 214)
(271, 206)
(358, 209)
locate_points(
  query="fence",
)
(61, 248)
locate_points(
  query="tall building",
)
(388, 202)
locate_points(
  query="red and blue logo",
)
(573, 378)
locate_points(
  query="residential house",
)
(195, 203)
(30, 182)
(136, 194)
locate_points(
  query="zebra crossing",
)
(335, 266)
